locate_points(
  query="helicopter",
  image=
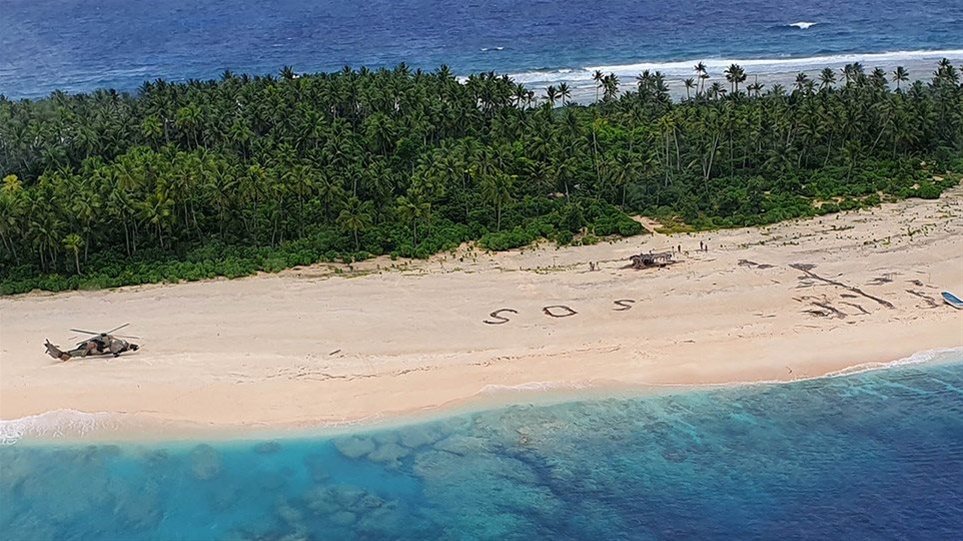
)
(101, 343)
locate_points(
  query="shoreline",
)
(772, 68)
(297, 349)
(40, 430)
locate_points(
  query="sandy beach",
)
(319, 346)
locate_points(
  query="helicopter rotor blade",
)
(125, 336)
(83, 331)
(118, 328)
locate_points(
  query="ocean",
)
(876, 454)
(81, 45)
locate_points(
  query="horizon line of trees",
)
(226, 177)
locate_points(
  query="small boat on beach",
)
(952, 300)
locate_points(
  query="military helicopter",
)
(102, 343)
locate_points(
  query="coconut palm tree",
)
(610, 84)
(689, 85)
(701, 74)
(597, 77)
(802, 82)
(900, 75)
(497, 191)
(551, 94)
(827, 77)
(564, 92)
(73, 243)
(355, 217)
(735, 75)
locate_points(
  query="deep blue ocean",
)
(875, 455)
(80, 45)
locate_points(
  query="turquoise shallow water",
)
(876, 455)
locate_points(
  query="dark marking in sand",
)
(335, 351)
(930, 301)
(748, 263)
(503, 319)
(625, 304)
(916, 283)
(548, 311)
(807, 268)
(856, 306)
(880, 281)
(805, 283)
(849, 296)
(833, 311)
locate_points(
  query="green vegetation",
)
(225, 178)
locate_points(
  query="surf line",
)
(556, 311)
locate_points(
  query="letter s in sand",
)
(494, 315)
(626, 304)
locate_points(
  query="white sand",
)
(307, 347)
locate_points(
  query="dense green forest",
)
(227, 177)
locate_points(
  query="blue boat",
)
(952, 300)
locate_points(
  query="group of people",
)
(703, 247)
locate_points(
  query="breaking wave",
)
(63, 423)
(716, 66)
(530, 386)
(804, 24)
(930, 355)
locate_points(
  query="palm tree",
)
(12, 202)
(610, 84)
(802, 81)
(355, 217)
(189, 120)
(156, 211)
(412, 209)
(735, 75)
(702, 75)
(551, 94)
(497, 190)
(878, 78)
(689, 85)
(564, 92)
(716, 90)
(597, 77)
(827, 77)
(900, 75)
(152, 128)
(73, 243)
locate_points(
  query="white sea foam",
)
(530, 386)
(55, 424)
(803, 24)
(930, 355)
(716, 66)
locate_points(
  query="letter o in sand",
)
(494, 315)
(551, 310)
